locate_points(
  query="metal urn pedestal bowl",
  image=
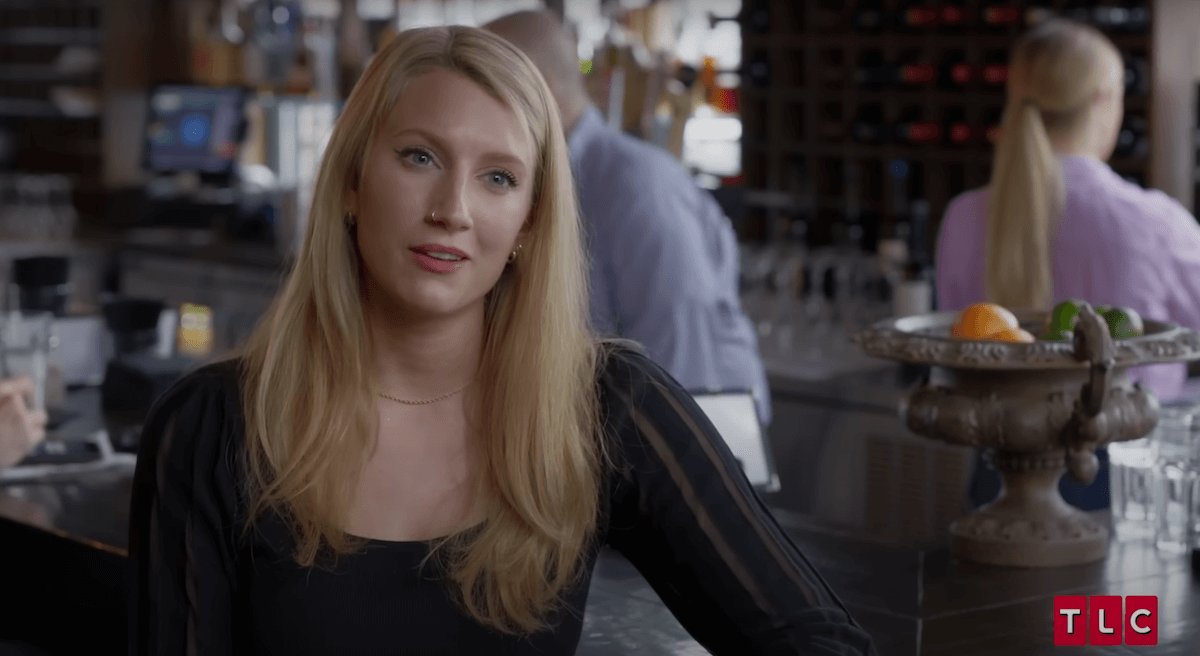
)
(1038, 409)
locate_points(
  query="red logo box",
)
(1141, 621)
(1105, 620)
(1070, 620)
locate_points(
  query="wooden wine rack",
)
(799, 160)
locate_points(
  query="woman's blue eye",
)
(503, 178)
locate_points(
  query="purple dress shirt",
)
(664, 263)
(1117, 244)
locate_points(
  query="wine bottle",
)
(1139, 17)
(995, 69)
(918, 16)
(956, 73)
(1039, 13)
(1080, 11)
(1110, 18)
(869, 17)
(758, 69)
(954, 16)
(915, 74)
(913, 129)
(1137, 76)
(1132, 142)
(868, 125)
(1001, 15)
(992, 119)
(756, 16)
(958, 130)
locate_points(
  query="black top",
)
(678, 507)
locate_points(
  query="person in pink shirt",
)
(1056, 222)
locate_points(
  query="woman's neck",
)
(420, 358)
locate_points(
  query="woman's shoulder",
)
(205, 404)
(970, 205)
(624, 362)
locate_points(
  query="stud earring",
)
(512, 257)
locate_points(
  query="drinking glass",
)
(1132, 486)
(25, 342)
(1175, 477)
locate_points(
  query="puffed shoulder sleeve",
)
(183, 520)
(683, 512)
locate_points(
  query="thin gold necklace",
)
(426, 402)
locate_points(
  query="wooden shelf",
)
(50, 36)
(797, 126)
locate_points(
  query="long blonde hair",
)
(1055, 71)
(308, 374)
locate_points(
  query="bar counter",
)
(65, 538)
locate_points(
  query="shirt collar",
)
(586, 129)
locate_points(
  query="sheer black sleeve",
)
(685, 515)
(183, 518)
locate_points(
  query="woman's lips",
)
(434, 265)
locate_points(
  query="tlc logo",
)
(1100, 620)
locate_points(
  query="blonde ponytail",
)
(1023, 204)
(1057, 68)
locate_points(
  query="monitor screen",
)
(194, 128)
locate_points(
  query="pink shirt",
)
(1117, 244)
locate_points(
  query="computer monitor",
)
(194, 128)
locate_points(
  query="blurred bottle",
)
(1080, 11)
(869, 16)
(868, 125)
(1001, 15)
(953, 16)
(992, 118)
(914, 72)
(958, 131)
(1132, 140)
(756, 16)
(956, 73)
(1137, 76)
(907, 73)
(915, 129)
(1039, 12)
(917, 15)
(758, 70)
(995, 69)
(1139, 17)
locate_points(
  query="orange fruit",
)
(983, 320)
(1013, 335)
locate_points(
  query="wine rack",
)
(879, 112)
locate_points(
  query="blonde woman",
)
(1056, 222)
(423, 448)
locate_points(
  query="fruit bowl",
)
(1038, 409)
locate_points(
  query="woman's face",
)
(444, 196)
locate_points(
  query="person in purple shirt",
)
(1057, 222)
(664, 258)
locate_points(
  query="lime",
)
(1123, 322)
(1063, 317)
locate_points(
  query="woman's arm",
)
(685, 515)
(182, 522)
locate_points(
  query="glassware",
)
(1175, 478)
(1132, 487)
(25, 343)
